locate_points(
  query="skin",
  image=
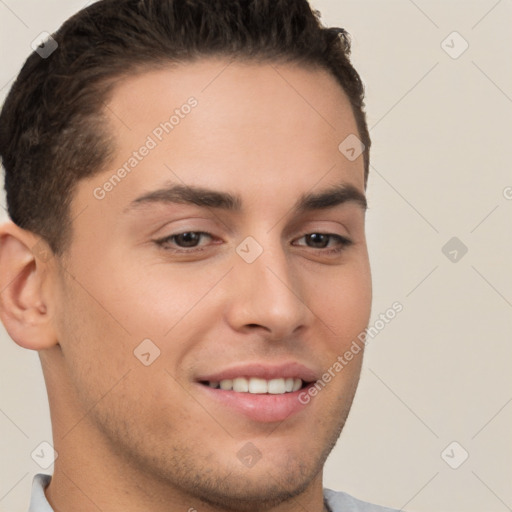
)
(135, 437)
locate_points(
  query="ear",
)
(24, 310)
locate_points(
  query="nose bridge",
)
(267, 289)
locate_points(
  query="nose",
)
(267, 295)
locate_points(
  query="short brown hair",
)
(52, 129)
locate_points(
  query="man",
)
(186, 182)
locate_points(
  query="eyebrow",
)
(208, 198)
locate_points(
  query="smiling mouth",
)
(258, 386)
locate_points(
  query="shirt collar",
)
(38, 501)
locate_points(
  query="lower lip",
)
(265, 408)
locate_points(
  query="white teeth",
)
(276, 386)
(241, 385)
(258, 386)
(226, 384)
(297, 384)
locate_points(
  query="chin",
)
(222, 481)
(256, 490)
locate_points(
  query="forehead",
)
(219, 81)
(237, 101)
(230, 125)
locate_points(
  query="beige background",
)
(442, 151)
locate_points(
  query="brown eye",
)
(318, 240)
(187, 239)
(323, 241)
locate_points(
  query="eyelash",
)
(343, 242)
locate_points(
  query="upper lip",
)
(263, 371)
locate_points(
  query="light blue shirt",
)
(336, 501)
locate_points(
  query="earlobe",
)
(24, 310)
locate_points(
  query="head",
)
(182, 214)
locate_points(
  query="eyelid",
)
(182, 223)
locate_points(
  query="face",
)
(229, 252)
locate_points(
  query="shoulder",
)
(342, 502)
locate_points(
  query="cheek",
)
(166, 303)
(343, 301)
(93, 359)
